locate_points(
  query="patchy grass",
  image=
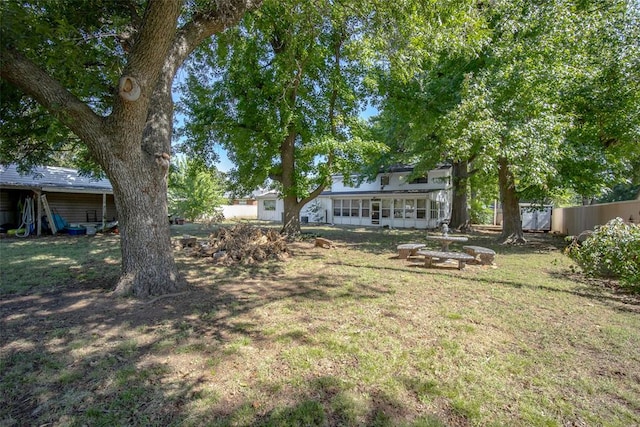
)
(345, 336)
(46, 263)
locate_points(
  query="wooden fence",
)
(576, 219)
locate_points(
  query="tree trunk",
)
(148, 267)
(132, 143)
(291, 220)
(511, 220)
(291, 223)
(460, 219)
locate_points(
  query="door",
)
(375, 213)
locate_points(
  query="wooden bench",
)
(462, 258)
(486, 255)
(406, 250)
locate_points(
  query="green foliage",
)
(285, 83)
(76, 42)
(316, 210)
(621, 192)
(194, 190)
(551, 87)
(613, 250)
(480, 213)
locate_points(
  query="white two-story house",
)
(391, 200)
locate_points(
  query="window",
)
(384, 180)
(365, 208)
(421, 209)
(345, 207)
(337, 208)
(397, 208)
(420, 180)
(442, 179)
(355, 208)
(433, 213)
(269, 205)
(408, 208)
(386, 208)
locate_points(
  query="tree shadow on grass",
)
(75, 355)
(329, 400)
(621, 301)
(79, 356)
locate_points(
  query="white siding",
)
(398, 181)
(401, 204)
(270, 214)
(240, 211)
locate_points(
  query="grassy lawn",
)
(343, 336)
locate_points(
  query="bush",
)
(613, 250)
(480, 213)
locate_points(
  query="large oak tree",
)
(282, 93)
(104, 69)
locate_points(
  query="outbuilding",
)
(78, 199)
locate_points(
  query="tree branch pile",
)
(242, 244)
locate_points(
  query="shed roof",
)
(266, 194)
(52, 178)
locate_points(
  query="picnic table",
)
(446, 240)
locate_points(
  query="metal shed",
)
(536, 217)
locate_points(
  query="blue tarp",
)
(59, 222)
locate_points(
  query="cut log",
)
(324, 243)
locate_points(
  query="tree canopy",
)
(195, 190)
(550, 99)
(282, 93)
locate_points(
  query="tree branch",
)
(34, 81)
(184, 41)
(203, 25)
(153, 40)
(473, 171)
(315, 193)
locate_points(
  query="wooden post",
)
(104, 209)
(52, 223)
(39, 229)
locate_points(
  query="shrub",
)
(480, 213)
(194, 190)
(613, 250)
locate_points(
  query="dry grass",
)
(343, 336)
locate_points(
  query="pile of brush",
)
(242, 243)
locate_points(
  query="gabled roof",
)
(250, 196)
(52, 178)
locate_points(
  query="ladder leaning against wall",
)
(47, 210)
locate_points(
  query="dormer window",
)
(384, 180)
(420, 180)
